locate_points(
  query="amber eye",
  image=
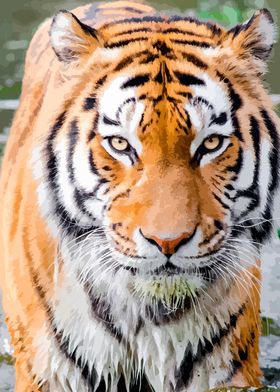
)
(212, 142)
(119, 144)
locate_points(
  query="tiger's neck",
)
(194, 348)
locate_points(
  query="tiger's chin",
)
(170, 290)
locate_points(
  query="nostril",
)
(151, 240)
(169, 246)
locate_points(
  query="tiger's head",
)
(163, 148)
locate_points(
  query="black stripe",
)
(138, 80)
(185, 373)
(224, 205)
(89, 103)
(162, 315)
(132, 31)
(188, 80)
(253, 191)
(124, 42)
(127, 21)
(238, 164)
(92, 132)
(101, 81)
(89, 375)
(274, 155)
(213, 28)
(191, 58)
(262, 232)
(80, 196)
(68, 225)
(110, 121)
(180, 31)
(221, 119)
(198, 99)
(236, 104)
(162, 47)
(101, 312)
(192, 43)
(150, 57)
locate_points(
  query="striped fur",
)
(99, 294)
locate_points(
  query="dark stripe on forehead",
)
(176, 30)
(199, 44)
(133, 31)
(126, 42)
(185, 372)
(136, 81)
(191, 58)
(130, 59)
(188, 80)
(135, 20)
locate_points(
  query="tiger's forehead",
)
(175, 28)
(129, 100)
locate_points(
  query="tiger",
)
(139, 183)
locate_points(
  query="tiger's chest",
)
(105, 345)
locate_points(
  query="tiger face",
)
(155, 163)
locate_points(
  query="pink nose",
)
(169, 247)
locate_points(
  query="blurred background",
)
(19, 20)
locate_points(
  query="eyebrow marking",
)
(109, 121)
(188, 80)
(220, 120)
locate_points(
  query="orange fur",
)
(27, 246)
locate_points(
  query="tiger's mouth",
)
(206, 271)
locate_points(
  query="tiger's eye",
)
(212, 142)
(119, 144)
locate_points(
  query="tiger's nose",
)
(169, 246)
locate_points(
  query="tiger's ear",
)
(254, 39)
(70, 38)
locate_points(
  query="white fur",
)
(200, 116)
(266, 30)
(246, 175)
(129, 117)
(264, 177)
(156, 350)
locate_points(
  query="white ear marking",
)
(70, 38)
(266, 29)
